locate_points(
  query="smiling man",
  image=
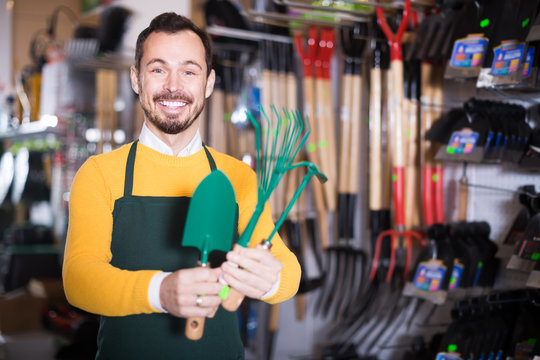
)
(123, 256)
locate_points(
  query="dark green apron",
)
(147, 233)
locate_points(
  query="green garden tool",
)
(275, 155)
(210, 226)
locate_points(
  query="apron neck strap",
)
(211, 161)
(130, 166)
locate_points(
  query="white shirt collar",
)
(149, 139)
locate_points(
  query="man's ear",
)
(210, 83)
(134, 75)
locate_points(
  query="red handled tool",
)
(393, 236)
(396, 115)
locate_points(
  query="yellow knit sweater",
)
(91, 283)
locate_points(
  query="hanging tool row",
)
(389, 68)
(500, 325)
(370, 304)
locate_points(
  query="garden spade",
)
(210, 226)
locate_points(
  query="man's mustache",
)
(175, 96)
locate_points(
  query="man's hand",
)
(191, 292)
(256, 272)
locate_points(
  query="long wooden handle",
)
(231, 131)
(411, 193)
(273, 321)
(217, 122)
(345, 138)
(326, 139)
(388, 119)
(356, 134)
(313, 156)
(375, 141)
(463, 199)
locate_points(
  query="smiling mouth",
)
(172, 104)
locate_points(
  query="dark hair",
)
(171, 23)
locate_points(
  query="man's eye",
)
(157, 71)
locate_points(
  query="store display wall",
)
(262, 57)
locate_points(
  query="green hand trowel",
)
(210, 225)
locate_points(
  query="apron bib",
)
(147, 233)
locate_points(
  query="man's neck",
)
(177, 142)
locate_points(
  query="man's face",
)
(172, 82)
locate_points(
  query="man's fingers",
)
(191, 292)
(250, 284)
(257, 253)
(197, 275)
(255, 259)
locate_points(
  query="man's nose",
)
(174, 82)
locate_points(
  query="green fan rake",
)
(277, 144)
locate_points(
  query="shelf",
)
(46, 125)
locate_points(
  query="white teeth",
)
(172, 103)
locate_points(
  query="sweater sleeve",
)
(91, 283)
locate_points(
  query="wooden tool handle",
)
(329, 129)
(273, 320)
(345, 138)
(411, 175)
(318, 192)
(320, 136)
(216, 128)
(233, 300)
(300, 307)
(194, 328)
(388, 118)
(231, 131)
(463, 199)
(398, 122)
(356, 135)
(375, 141)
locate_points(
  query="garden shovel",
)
(210, 226)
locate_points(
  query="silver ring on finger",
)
(198, 302)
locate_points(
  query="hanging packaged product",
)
(434, 268)
(474, 29)
(464, 134)
(506, 58)
(468, 55)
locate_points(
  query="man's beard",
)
(172, 125)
